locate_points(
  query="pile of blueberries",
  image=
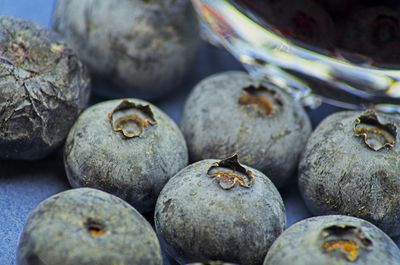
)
(243, 138)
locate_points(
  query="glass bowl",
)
(311, 72)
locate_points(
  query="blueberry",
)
(230, 113)
(144, 48)
(87, 226)
(44, 87)
(128, 148)
(219, 210)
(333, 240)
(351, 166)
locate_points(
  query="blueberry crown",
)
(376, 135)
(230, 172)
(266, 100)
(344, 241)
(131, 119)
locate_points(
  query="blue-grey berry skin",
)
(43, 88)
(340, 174)
(200, 221)
(350, 241)
(216, 125)
(87, 227)
(132, 168)
(144, 48)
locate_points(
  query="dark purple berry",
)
(129, 148)
(219, 210)
(351, 166)
(43, 88)
(232, 113)
(139, 48)
(333, 240)
(87, 226)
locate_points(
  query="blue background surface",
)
(23, 185)
(36, 10)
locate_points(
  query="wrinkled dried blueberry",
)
(351, 166)
(231, 113)
(128, 148)
(144, 48)
(87, 226)
(333, 240)
(219, 210)
(43, 88)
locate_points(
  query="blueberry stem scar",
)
(345, 240)
(265, 99)
(230, 172)
(95, 228)
(375, 134)
(131, 119)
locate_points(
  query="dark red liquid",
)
(362, 31)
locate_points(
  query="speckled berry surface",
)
(200, 221)
(333, 240)
(44, 87)
(340, 174)
(135, 169)
(87, 226)
(143, 47)
(25, 184)
(216, 124)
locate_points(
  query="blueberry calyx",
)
(265, 99)
(345, 240)
(376, 135)
(229, 172)
(95, 228)
(131, 119)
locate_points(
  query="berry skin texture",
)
(230, 113)
(333, 240)
(200, 218)
(350, 166)
(139, 48)
(85, 227)
(43, 88)
(128, 148)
